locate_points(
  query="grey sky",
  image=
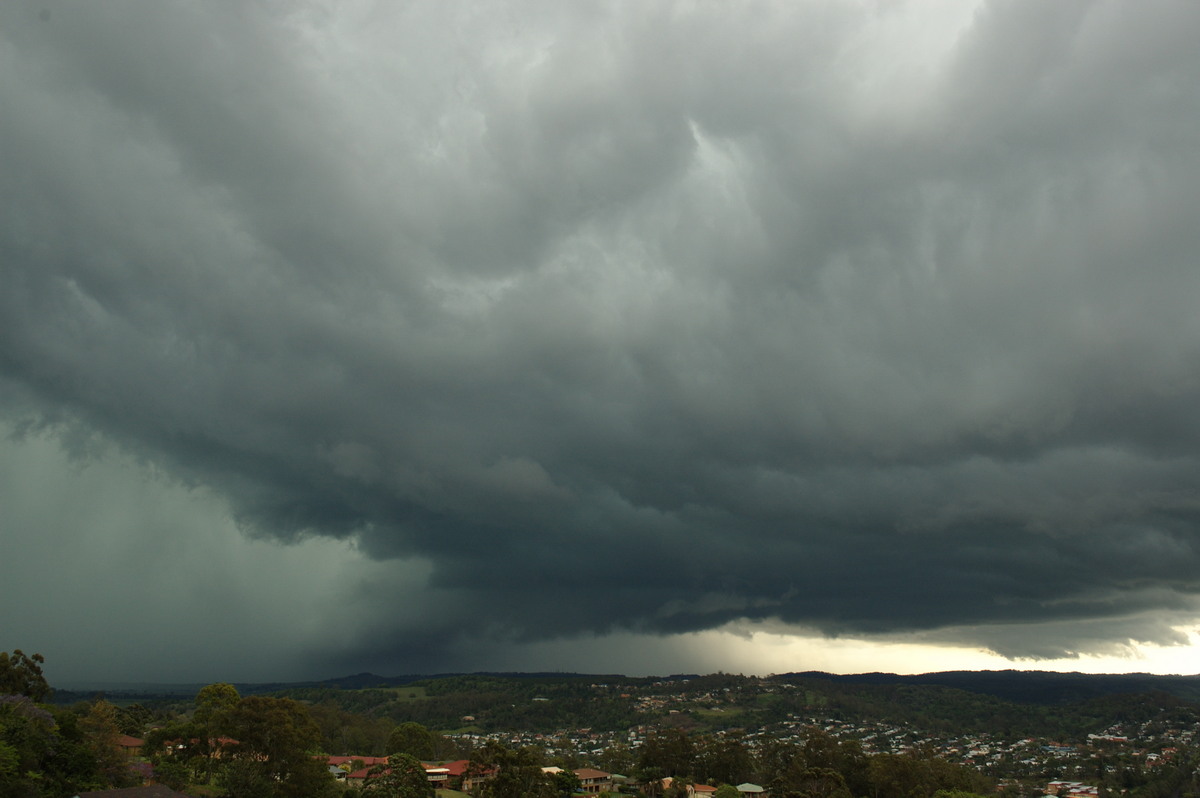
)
(493, 327)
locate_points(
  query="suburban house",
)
(456, 771)
(594, 781)
(438, 775)
(693, 790)
(353, 769)
(472, 781)
(130, 745)
(357, 770)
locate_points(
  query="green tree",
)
(99, 725)
(277, 741)
(134, 719)
(566, 783)
(214, 705)
(402, 777)
(350, 733)
(670, 751)
(175, 775)
(177, 747)
(412, 739)
(651, 777)
(22, 675)
(43, 753)
(920, 774)
(27, 737)
(617, 758)
(845, 756)
(801, 781)
(10, 763)
(245, 778)
(510, 772)
(772, 760)
(679, 787)
(727, 791)
(723, 759)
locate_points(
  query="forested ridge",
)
(1033, 707)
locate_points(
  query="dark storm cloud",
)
(645, 317)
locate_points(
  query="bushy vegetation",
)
(50, 752)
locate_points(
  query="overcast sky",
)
(642, 337)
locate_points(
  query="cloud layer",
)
(640, 317)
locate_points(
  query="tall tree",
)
(724, 759)
(919, 774)
(412, 739)
(134, 719)
(617, 758)
(276, 744)
(566, 783)
(823, 752)
(22, 675)
(801, 781)
(214, 704)
(402, 777)
(99, 725)
(670, 751)
(43, 753)
(350, 733)
(511, 772)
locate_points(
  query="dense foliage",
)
(50, 752)
(248, 747)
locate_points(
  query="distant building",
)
(593, 782)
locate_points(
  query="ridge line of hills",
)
(1021, 686)
(1038, 687)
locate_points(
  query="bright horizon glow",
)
(849, 655)
(751, 651)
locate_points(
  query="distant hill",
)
(1009, 703)
(1028, 687)
(365, 681)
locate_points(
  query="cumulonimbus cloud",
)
(732, 313)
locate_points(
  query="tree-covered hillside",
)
(546, 703)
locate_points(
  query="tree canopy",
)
(276, 741)
(511, 772)
(413, 739)
(402, 777)
(22, 675)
